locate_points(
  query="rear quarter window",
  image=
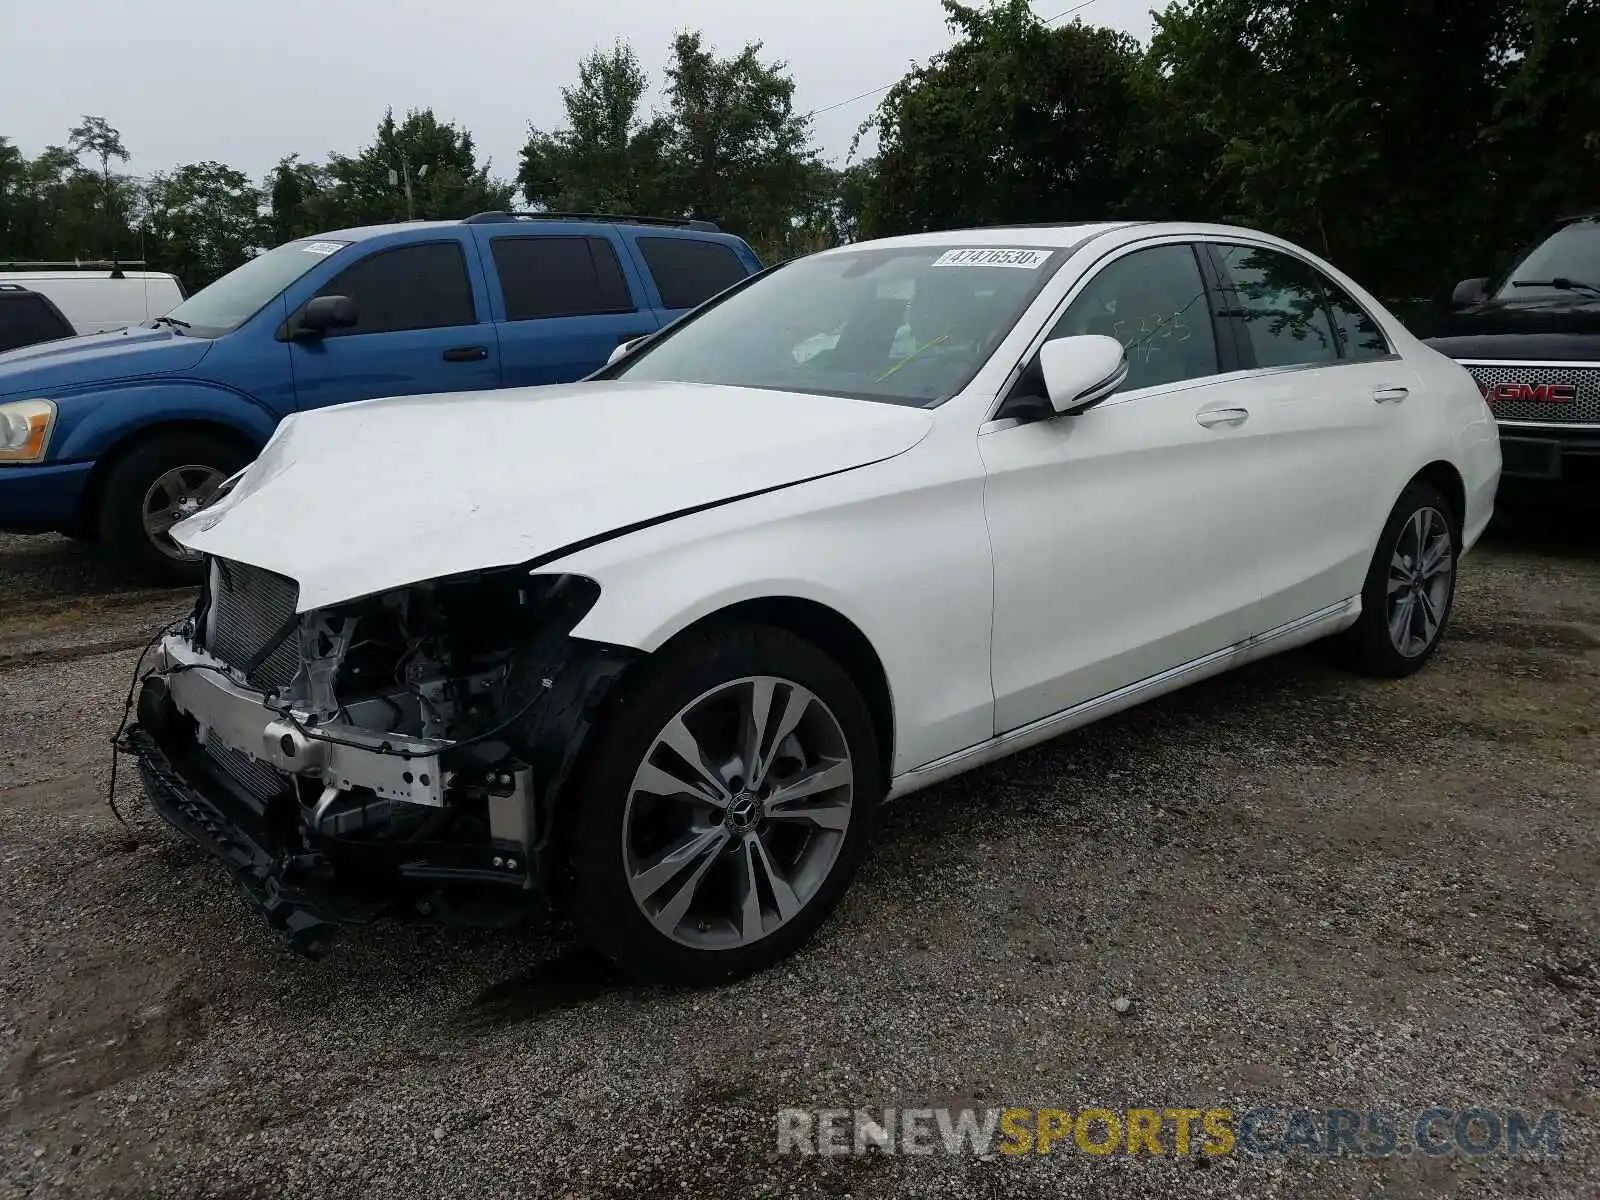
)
(689, 271)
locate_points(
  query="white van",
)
(98, 301)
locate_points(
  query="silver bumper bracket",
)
(394, 766)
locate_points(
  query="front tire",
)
(153, 487)
(724, 808)
(1410, 587)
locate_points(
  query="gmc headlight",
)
(25, 427)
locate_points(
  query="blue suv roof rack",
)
(498, 215)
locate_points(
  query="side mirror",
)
(1469, 292)
(323, 313)
(1081, 371)
(624, 348)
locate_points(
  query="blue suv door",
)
(565, 300)
(419, 329)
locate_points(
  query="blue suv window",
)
(27, 318)
(410, 287)
(689, 271)
(559, 277)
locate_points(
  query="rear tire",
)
(169, 475)
(738, 867)
(1409, 590)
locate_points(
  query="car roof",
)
(24, 276)
(360, 233)
(1053, 234)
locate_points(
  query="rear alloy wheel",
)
(1421, 580)
(726, 808)
(1410, 587)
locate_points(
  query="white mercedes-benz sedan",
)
(653, 647)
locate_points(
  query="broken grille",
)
(249, 609)
(1584, 381)
(255, 777)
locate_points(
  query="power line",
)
(878, 91)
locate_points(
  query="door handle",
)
(1231, 417)
(1391, 395)
(466, 354)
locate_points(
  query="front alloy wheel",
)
(175, 496)
(722, 808)
(151, 486)
(738, 812)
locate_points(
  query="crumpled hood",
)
(98, 358)
(361, 498)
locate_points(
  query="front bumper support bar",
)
(394, 766)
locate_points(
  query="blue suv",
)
(115, 437)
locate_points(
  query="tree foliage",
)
(207, 219)
(438, 156)
(727, 145)
(1017, 121)
(610, 156)
(1414, 142)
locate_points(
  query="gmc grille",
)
(1584, 382)
(249, 607)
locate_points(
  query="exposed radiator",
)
(250, 607)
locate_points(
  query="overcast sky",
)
(246, 82)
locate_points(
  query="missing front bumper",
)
(288, 892)
(483, 854)
(308, 885)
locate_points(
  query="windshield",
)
(907, 326)
(242, 293)
(1570, 255)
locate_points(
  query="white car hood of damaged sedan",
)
(361, 498)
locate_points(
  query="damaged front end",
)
(399, 755)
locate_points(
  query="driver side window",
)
(1153, 302)
(408, 287)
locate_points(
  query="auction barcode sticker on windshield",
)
(323, 249)
(993, 256)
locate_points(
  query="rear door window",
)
(559, 277)
(26, 319)
(409, 287)
(689, 271)
(1280, 304)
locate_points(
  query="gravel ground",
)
(1315, 890)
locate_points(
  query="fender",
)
(93, 422)
(898, 549)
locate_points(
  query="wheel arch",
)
(1444, 476)
(831, 632)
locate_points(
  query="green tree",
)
(118, 196)
(1017, 121)
(609, 157)
(51, 208)
(447, 181)
(294, 189)
(203, 220)
(1357, 129)
(1545, 135)
(737, 152)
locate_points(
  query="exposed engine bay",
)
(360, 759)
